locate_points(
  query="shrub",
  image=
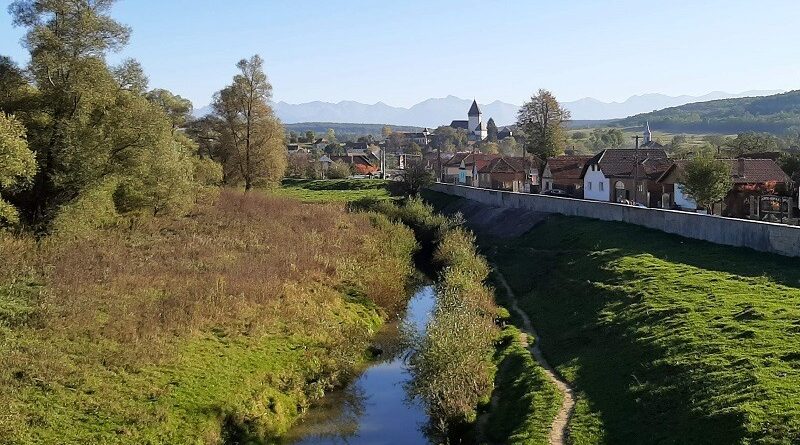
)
(339, 170)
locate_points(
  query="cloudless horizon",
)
(401, 53)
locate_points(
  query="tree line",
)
(78, 135)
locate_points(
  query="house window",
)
(641, 187)
(600, 186)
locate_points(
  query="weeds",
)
(224, 323)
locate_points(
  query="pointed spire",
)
(474, 110)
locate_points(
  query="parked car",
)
(555, 192)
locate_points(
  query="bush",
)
(339, 170)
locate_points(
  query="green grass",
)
(526, 402)
(332, 190)
(667, 340)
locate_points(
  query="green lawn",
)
(526, 402)
(667, 340)
(332, 190)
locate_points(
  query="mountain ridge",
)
(433, 112)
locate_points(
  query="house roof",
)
(567, 168)
(619, 162)
(460, 124)
(481, 127)
(651, 144)
(510, 164)
(478, 159)
(743, 171)
(354, 159)
(474, 110)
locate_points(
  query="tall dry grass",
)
(250, 265)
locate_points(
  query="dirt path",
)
(558, 430)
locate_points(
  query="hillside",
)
(345, 129)
(774, 114)
(665, 338)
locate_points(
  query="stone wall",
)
(762, 236)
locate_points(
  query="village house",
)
(752, 179)
(564, 173)
(626, 175)
(509, 173)
(460, 168)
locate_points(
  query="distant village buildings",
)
(474, 125)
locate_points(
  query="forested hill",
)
(774, 114)
(345, 129)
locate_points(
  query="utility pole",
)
(636, 171)
(474, 168)
(439, 154)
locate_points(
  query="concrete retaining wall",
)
(763, 236)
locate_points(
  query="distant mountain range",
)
(440, 111)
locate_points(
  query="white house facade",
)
(682, 200)
(595, 184)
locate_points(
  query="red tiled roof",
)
(479, 159)
(619, 162)
(564, 168)
(510, 164)
(745, 171)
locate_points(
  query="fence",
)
(758, 235)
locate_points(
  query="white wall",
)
(758, 235)
(683, 201)
(596, 178)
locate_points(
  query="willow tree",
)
(95, 134)
(541, 119)
(250, 134)
(17, 164)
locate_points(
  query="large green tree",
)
(90, 125)
(252, 137)
(706, 180)
(17, 164)
(541, 119)
(177, 108)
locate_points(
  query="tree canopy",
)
(541, 119)
(706, 180)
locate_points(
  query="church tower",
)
(648, 136)
(474, 117)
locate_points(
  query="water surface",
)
(374, 408)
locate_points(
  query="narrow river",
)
(374, 408)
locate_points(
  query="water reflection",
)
(374, 409)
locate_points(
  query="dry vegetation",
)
(220, 325)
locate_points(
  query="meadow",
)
(331, 190)
(667, 340)
(219, 326)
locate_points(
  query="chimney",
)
(741, 167)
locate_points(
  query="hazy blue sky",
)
(401, 52)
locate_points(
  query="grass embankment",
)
(221, 326)
(668, 340)
(332, 190)
(525, 401)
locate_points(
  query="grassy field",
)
(332, 190)
(525, 401)
(218, 327)
(667, 340)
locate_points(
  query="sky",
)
(403, 52)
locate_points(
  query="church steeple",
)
(648, 135)
(474, 110)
